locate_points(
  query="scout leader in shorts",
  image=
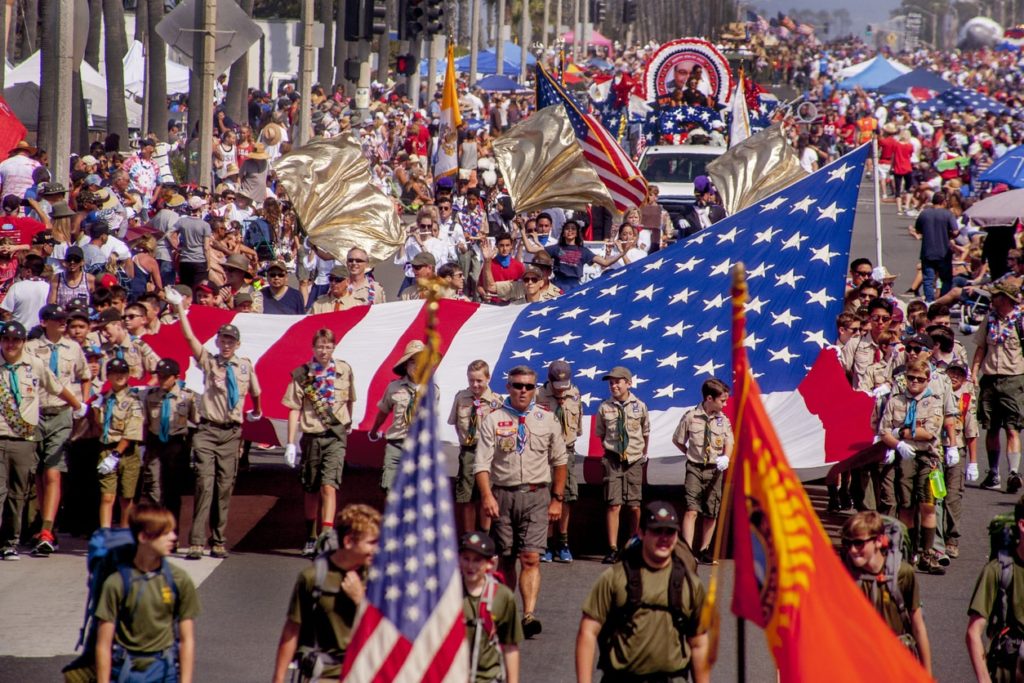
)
(520, 470)
(66, 361)
(561, 397)
(23, 378)
(470, 407)
(227, 378)
(320, 398)
(624, 427)
(119, 417)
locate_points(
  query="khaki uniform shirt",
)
(228, 297)
(1000, 359)
(637, 424)
(184, 409)
(967, 415)
(568, 411)
(141, 358)
(72, 369)
(295, 398)
(856, 355)
(939, 385)
(496, 448)
(468, 412)
(695, 427)
(127, 415)
(355, 296)
(397, 398)
(929, 417)
(33, 379)
(213, 405)
(878, 374)
(515, 291)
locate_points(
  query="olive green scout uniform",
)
(985, 601)
(569, 413)
(171, 417)
(119, 415)
(399, 399)
(912, 486)
(67, 361)
(467, 413)
(328, 624)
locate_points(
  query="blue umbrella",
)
(496, 83)
(1008, 169)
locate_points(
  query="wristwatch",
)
(559, 497)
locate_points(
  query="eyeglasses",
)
(857, 543)
(276, 273)
(334, 278)
(444, 207)
(916, 378)
(356, 260)
(73, 259)
(880, 318)
(914, 348)
(131, 316)
(426, 225)
(531, 279)
(522, 386)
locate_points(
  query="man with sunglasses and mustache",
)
(533, 285)
(861, 351)
(520, 469)
(350, 285)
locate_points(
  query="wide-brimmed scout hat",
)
(411, 349)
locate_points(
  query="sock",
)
(1014, 460)
(310, 528)
(551, 542)
(993, 462)
(914, 537)
(928, 538)
(563, 539)
(324, 526)
(48, 523)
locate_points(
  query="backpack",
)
(256, 236)
(310, 659)
(1005, 639)
(684, 571)
(484, 623)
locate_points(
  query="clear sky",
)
(862, 12)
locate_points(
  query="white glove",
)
(972, 472)
(722, 463)
(952, 456)
(253, 416)
(173, 296)
(905, 450)
(881, 390)
(876, 439)
(373, 436)
(890, 457)
(291, 454)
(81, 411)
(109, 464)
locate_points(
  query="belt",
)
(319, 435)
(396, 442)
(53, 412)
(155, 438)
(221, 425)
(702, 465)
(523, 488)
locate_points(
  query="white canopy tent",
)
(855, 69)
(135, 72)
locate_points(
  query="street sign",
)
(236, 32)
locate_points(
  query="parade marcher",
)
(705, 435)
(520, 471)
(493, 629)
(66, 361)
(320, 618)
(624, 428)
(561, 397)
(22, 381)
(965, 440)
(319, 398)
(470, 407)
(119, 418)
(646, 637)
(350, 285)
(891, 587)
(863, 350)
(227, 379)
(139, 356)
(147, 628)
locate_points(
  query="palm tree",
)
(141, 20)
(46, 126)
(114, 49)
(325, 55)
(92, 44)
(157, 71)
(237, 98)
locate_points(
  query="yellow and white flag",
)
(446, 160)
(739, 120)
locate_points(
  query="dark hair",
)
(937, 311)
(579, 234)
(858, 262)
(449, 269)
(100, 297)
(713, 388)
(34, 263)
(522, 370)
(880, 303)
(844, 319)
(545, 214)
(152, 520)
(502, 236)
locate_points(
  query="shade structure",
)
(135, 73)
(879, 72)
(594, 38)
(487, 61)
(1004, 208)
(915, 83)
(1008, 169)
(496, 83)
(961, 99)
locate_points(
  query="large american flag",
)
(616, 170)
(410, 626)
(666, 317)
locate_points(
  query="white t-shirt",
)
(24, 300)
(115, 246)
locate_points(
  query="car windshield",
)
(671, 168)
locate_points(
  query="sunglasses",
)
(857, 543)
(73, 259)
(531, 279)
(861, 273)
(522, 386)
(276, 273)
(880, 318)
(444, 207)
(332, 278)
(916, 378)
(357, 260)
(914, 348)
(132, 316)
(426, 225)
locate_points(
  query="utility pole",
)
(431, 68)
(474, 41)
(340, 46)
(499, 48)
(525, 37)
(585, 30)
(306, 67)
(60, 148)
(546, 23)
(576, 32)
(363, 86)
(205, 48)
(558, 20)
(413, 84)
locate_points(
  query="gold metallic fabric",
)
(543, 165)
(759, 166)
(328, 183)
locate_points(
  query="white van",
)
(672, 169)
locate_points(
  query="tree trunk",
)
(79, 120)
(141, 20)
(46, 126)
(325, 55)
(115, 46)
(236, 102)
(92, 45)
(29, 43)
(157, 74)
(463, 22)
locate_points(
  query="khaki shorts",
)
(392, 456)
(465, 481)
(1001, 401)
(702, 489)
(54, 430)
(623, 483)
(125, 479)
(572, 487)
(912, 485)
(522, 523)
(323, 461)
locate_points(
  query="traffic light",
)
(434, 18)
(376, 19)
(405, 65)
(597, 11)
(629, 11)
(365, 19)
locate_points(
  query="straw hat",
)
(259, 150)
(271, 134)
(237, 262)
(411, 349)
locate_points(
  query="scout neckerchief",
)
(474, 419)
(411, 406)
(620, 427)
(54, 357)
(707, 438)
(319, 389)
(521, 429)
(910, 421)
(165, 415)
(10, 400)
(108, 415)
(371, 291)
(230, 381)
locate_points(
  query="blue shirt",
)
(289, 304)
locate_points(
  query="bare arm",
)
(605, 261)
(51, 298)
(187, 651)
(293, 424)
(285, 650)
(511, 653)
(104, 646)
(700, 648)
(976, 648)
(586, 646)
(378, 421)
(190, 337)
(488, 503)
(531, 244)
(921, 636)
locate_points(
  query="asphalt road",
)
(244, 597)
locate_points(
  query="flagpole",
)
(878, 203)
(741, 650)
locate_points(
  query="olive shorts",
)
(54, 431)
(522, 523)
(323, 460)
(125, 479)
(465, 480)
(623, 482)
(912, 485)
(572, 487)
(1001, 401)
(702, 489)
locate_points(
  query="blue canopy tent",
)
(1008, 169)
(496, 83)
(878, 73)
(487, 62)
(919, 78)
(962, 99)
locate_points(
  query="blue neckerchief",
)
(165, 417)
(232, 385)
(108, 415)
(503, 261)
(54, 358)
(12, 380)
(521, 430)
(911, 418)
(543, 238)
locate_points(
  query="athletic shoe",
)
(531, 626)
(929, 564)
(218, 551)
(1013, 483)
(546, 556)
(45, 545)
(611, 558)
(953, 551)
(912, 213)
(309, 550)
(9, 553)
(195, 552)
(991, 481)
(564, 555)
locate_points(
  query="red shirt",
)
(20, 229)
(901, 158)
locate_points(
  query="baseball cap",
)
(168, 366)
(919, 339)
(184, 290)
(117, 365)
(14, 329)
(229, 331)
(242, 298)
(659, 515)
(196, 203)
(92, 351)
(74, 251)
(78, 312)
(618, 372)
(90, 160)
(424, 258)
(53, 312)
(206, 286)
(478, 543)
(560, 375)
(93, 179)
(110, 315)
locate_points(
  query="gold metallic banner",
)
(759, 166)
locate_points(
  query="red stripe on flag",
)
(451, 316)
(394, 662)
(294, 348)
(364, 633)
(445, 654)
(170, 342)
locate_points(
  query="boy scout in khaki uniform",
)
(66, 360)
(863, 350)
(705, 435)
(23, 379)
(399, 400)
(227, 379)
(171, 413)
(470, 407)
(624, 428)
(533, 285)
(965, 439)
(119, 417)
(140, 357)
(910, 427)
(561, 397)
(320, 398)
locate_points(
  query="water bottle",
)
(937, 481)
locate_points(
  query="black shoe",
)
(991, 481)
(309, 550)
(833, 500)
(611, 558)
(845, 501)
(707, 556)
(1013, 483)
(531, 626)
(929, 564)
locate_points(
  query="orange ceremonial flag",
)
(789, 580)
